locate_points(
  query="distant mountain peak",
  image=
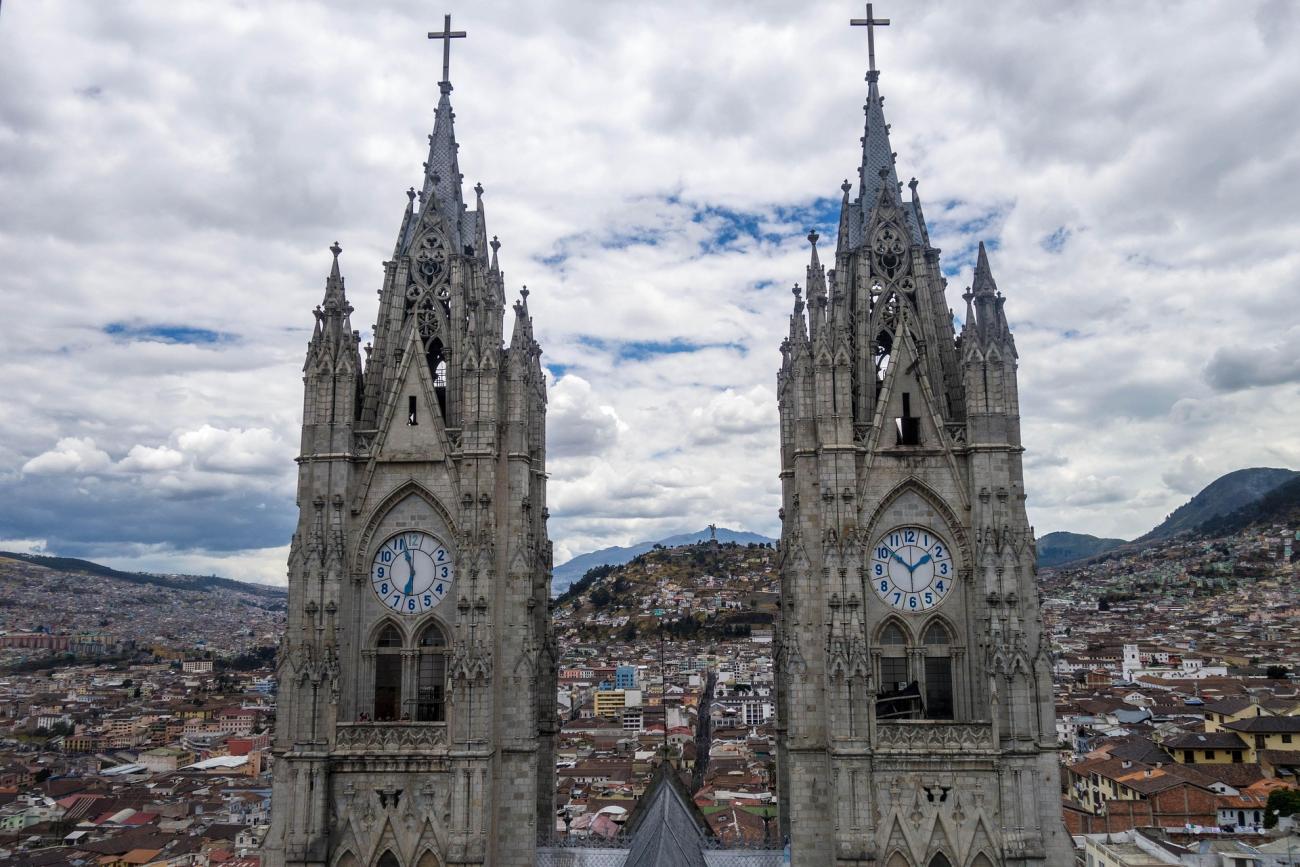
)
(1223, 496)
(1062, 547)
(567, 573)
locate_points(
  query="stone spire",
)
(876, 151)
(480, 241)
(333, 333)
(442, 178)
(984, 292)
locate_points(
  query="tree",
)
(1277, 672)
(1281, 802)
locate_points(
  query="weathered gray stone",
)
(889, 421)
(442, 431)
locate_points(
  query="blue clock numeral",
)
(884, 586)
(379, 571)
(444, 572)
(882, 552)
(943, 568)
(893, 539)
(911, 602)
(428, 600)
(938, 550)
(386, 556)
(442, 555)
(910, 536)
(439, 590)
(929, 598)
(383, 588)
(401, 543)
(410, 604)
(880, 569)
(938, 587)
(897, 597)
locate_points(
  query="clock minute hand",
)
(910, 567)
(410, 579)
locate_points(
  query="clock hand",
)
(925, 559)
(909, 566)
(410, 579)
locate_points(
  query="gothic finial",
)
(496, 245)
(813, 236)
(478, 190)
(410, 194)
(912, 185)
(846, 186)
(796, 291)
(523, 293)
(336, 249)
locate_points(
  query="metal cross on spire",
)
(446, 36)
(871, 23)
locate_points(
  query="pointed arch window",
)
(388, 674)
(388, 859)
(437, 358)
(431, 678)
(938, 671)
(897, 860)
(897, 696)
(939, 860)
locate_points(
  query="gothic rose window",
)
(388, 674)
(431, 680)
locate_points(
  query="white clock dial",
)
(911, 569)
(412, 572)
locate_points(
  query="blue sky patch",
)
(1055, 242)
(167, 333)
(642, 350)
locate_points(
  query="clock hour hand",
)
(410, 579)
(910, 567)
(925, 559)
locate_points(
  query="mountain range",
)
(1229, 503)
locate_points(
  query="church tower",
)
(914, 685)
(415, 723)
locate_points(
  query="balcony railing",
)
(929, 736)
(390, 737)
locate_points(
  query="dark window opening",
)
(1209, 755)
(940, 860)
(431, 681)
(1236, 757)
(909, 426)
(388, 675)
(893, 673)
(411, 417)
(938, 687)
(1189, 757)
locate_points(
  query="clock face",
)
(412, 572)
(911, 569)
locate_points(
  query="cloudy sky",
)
(172, 173)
